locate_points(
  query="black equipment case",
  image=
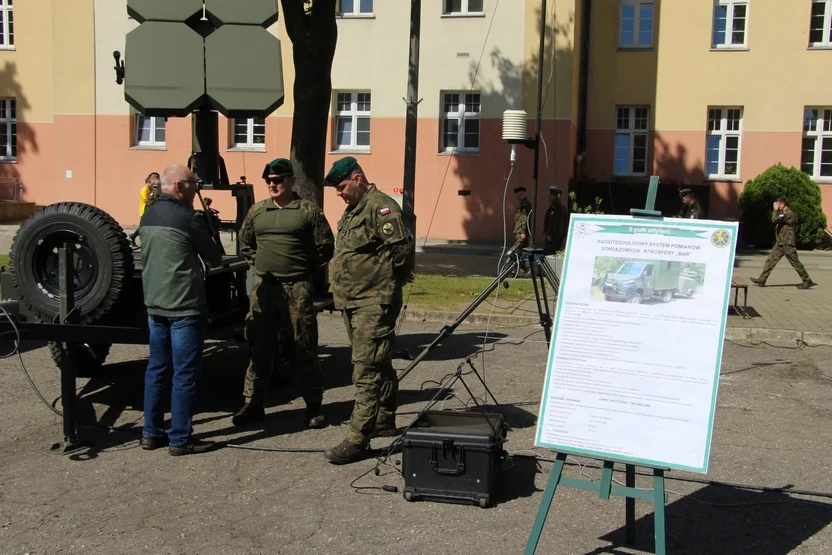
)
(453, 456)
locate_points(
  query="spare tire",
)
(102, 260)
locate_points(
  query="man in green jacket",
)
(284, 238)
(785, 224)
(175, 244)
(373, 260)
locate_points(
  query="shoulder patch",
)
(388, 229)
(384, 211)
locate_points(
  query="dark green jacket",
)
(174, 236)
(373, 253)
(286, 242)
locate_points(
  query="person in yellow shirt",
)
(150, 182)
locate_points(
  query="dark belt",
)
(285, 280)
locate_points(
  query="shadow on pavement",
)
(456, 346)
(730, 521)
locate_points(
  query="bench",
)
(736, 285)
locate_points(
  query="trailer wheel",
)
(102, 260)
(90, 358)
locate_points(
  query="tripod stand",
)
(541, 273)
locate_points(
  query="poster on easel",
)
(634, 362)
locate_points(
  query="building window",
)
(462, 6)
(150, 131)
(461, 122)
(355, 7)
(730, 23)
(249, 133)
(6, 24)
(352, 120)
(820, 23)
(636, 30)
(631, 125)
(8, 130)
(722, 145)
(816, 155)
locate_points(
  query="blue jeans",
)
(175, 345)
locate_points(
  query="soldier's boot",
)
(386, 431)
(249, 414)
(346, 453)
(315, 419)
(806, 284)
(759, 282)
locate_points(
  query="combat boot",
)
(806, 284)
(248, 414)
(345, 453)
(386, 431)
(315, 419)
(758, 282)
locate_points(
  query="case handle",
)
(448, 445)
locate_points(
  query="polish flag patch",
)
(384, 211)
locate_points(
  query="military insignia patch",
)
(387, 229)
(384, 211)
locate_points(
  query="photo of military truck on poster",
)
(646, 281)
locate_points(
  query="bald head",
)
(179, 182)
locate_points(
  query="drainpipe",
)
(583, 92)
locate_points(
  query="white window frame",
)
(154, 126)
(632, 132)
(7, 26)
(638, 5)
(461, 115)
(249, 143)
(356, 9)
(729, 24)
(354, 114)
(826, 40)
(724, 133)
(464, 9)
(8, 120)
(821, 134)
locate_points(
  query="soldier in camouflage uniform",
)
(691, 209)
(521, 225)
(785, 224)
(555, 223)
(373, 260)
(283, 238)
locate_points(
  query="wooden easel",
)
(605, 488)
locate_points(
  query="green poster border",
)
(575, 218)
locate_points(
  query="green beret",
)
(281, 166)
(340, 171)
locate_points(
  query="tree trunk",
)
(313, 31)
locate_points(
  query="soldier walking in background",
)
(555, 223)
(785, 225)
(283, 238)
(691, 209)
(373, 260)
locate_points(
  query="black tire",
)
(87, 364)
(103, 259)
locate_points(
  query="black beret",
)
(340, 171)
(518, 189)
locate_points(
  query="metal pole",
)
(412, 100)
(532, 223)
(68, 370)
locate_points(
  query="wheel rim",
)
(47, 264)
(634, 300)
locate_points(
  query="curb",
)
(777, 337)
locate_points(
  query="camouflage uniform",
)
(373, 259)
(555, 225)
(521, 224)
(785, 223)
(283, 246)
(691, 212)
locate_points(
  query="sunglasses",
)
(277, 180)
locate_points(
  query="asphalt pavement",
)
(773, 428)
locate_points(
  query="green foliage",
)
(804, 197)
(608, 265)
(589, 209)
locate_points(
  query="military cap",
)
(281, 166)
(554, 189)
(518, 189)
(340, 171)
(685, 192)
